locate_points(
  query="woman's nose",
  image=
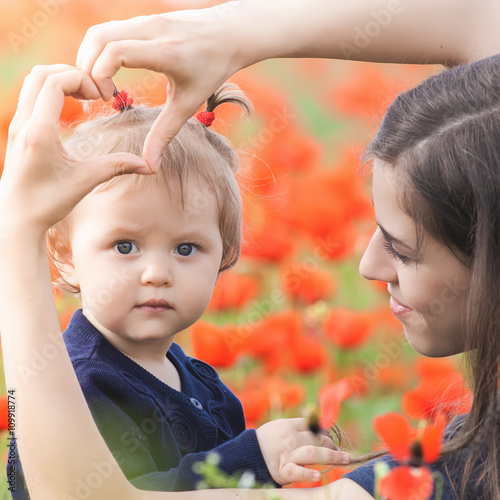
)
(157, 269)
(376, 263)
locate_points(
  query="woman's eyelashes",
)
(390, 249)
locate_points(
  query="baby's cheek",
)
(199, 301)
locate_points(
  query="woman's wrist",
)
(253, 31)
(17, 228)
(18, 248)
(18, 238)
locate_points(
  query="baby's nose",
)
(157, 270)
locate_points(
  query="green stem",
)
(381, 470)
(438, 481)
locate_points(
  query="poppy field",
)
(292, 326)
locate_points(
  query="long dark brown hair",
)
(443, 140)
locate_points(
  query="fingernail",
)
(154, 165)
(346, 458)
(316, 476)
(144, 170)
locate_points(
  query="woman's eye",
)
(126, 247)
(186, 249)
(390, 249)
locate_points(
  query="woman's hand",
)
(41, 184)
(181, 45)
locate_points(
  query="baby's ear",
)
(61, 256)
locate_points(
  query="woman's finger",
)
(48, 106)
(91, 173)
(31, 89)
(126, 53)
(98, 36)
(171, 119)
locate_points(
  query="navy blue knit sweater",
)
(155, 432)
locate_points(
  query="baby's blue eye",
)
(186, 249)
(125, 247)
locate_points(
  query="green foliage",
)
(213, 477)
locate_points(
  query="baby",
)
(144, 253)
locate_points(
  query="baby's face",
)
(129, 248)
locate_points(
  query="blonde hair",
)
(196, 152)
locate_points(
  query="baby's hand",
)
(288, 445)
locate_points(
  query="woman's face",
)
(428, 295)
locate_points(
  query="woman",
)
(32, 178)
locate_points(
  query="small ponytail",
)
(229, 93)
(226, 93)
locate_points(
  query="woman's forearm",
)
(50, 413)
(423, 31)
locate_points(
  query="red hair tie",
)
(206, 117)
(122, 100)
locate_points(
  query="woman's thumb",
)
(166, 126)
(95, 172)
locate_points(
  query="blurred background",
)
(293, 324)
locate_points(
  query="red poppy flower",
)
(260, 394)
(398, 436)
(379, 285)
(447, 393)
(412, 480)
(435, 367)
(72, 111)
(360, 380)
(302, 283)
(394, 376)
(366, 92)
(323, 206)
(406, 482)
(267, 237)
(274, 334)
(281, 342)
(308, 354)
(330, 398)
(267, 99)
(4, 424)
(255, 404)
(233, 291)
(212, 344)
(348, 329)
(287, 151)
(282, 393)
(388, 324)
